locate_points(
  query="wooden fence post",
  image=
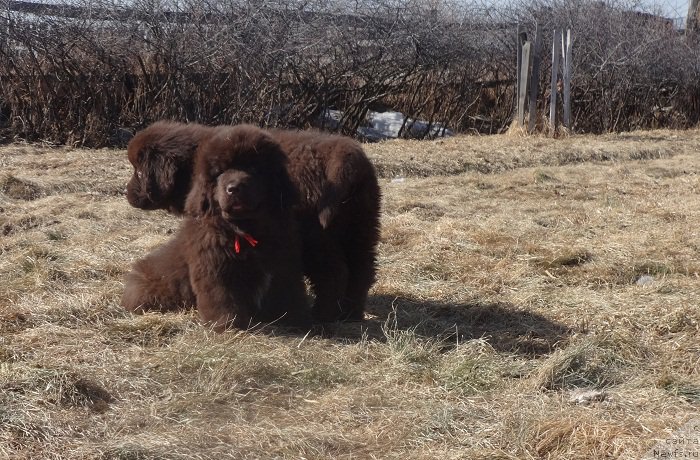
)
(553, 83)
(519, 42)
(522, 91)
(691, 22)
(566, 52)
(534, 81)
(529, 63)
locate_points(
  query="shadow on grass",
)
(505, 327)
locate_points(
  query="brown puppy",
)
(339, 216)
(338, 212)
(162, 156)
(240, 240)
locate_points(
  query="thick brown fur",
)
(339, 215)
(160, 281)
(338, 211)
(162, 156)
(240, 241)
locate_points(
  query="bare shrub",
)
(79, 74)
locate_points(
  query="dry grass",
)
(515, 273)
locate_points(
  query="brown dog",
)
(338, 213)
(162, 156)
(240, 240)
(339, 217)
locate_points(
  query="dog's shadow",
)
(505, 327)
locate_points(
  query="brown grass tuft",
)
(590, 362)
(19, 189)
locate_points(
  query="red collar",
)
(237, 241)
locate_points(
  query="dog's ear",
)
(344, 172)
(160, 168)
(200, 200)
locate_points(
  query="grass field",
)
(537, 299)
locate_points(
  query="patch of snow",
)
(645, 280)
(386, 125)
(389, 124)
(585, 397)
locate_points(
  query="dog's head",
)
(239, 193)
(240, 173)
(162, 156)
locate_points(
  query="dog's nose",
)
(231, 188)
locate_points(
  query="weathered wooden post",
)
(691, 22)
(553, 83)
(520, 40)
(566, 53)
(534, 81)
(522, 91)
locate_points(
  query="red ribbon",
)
(237, 242)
